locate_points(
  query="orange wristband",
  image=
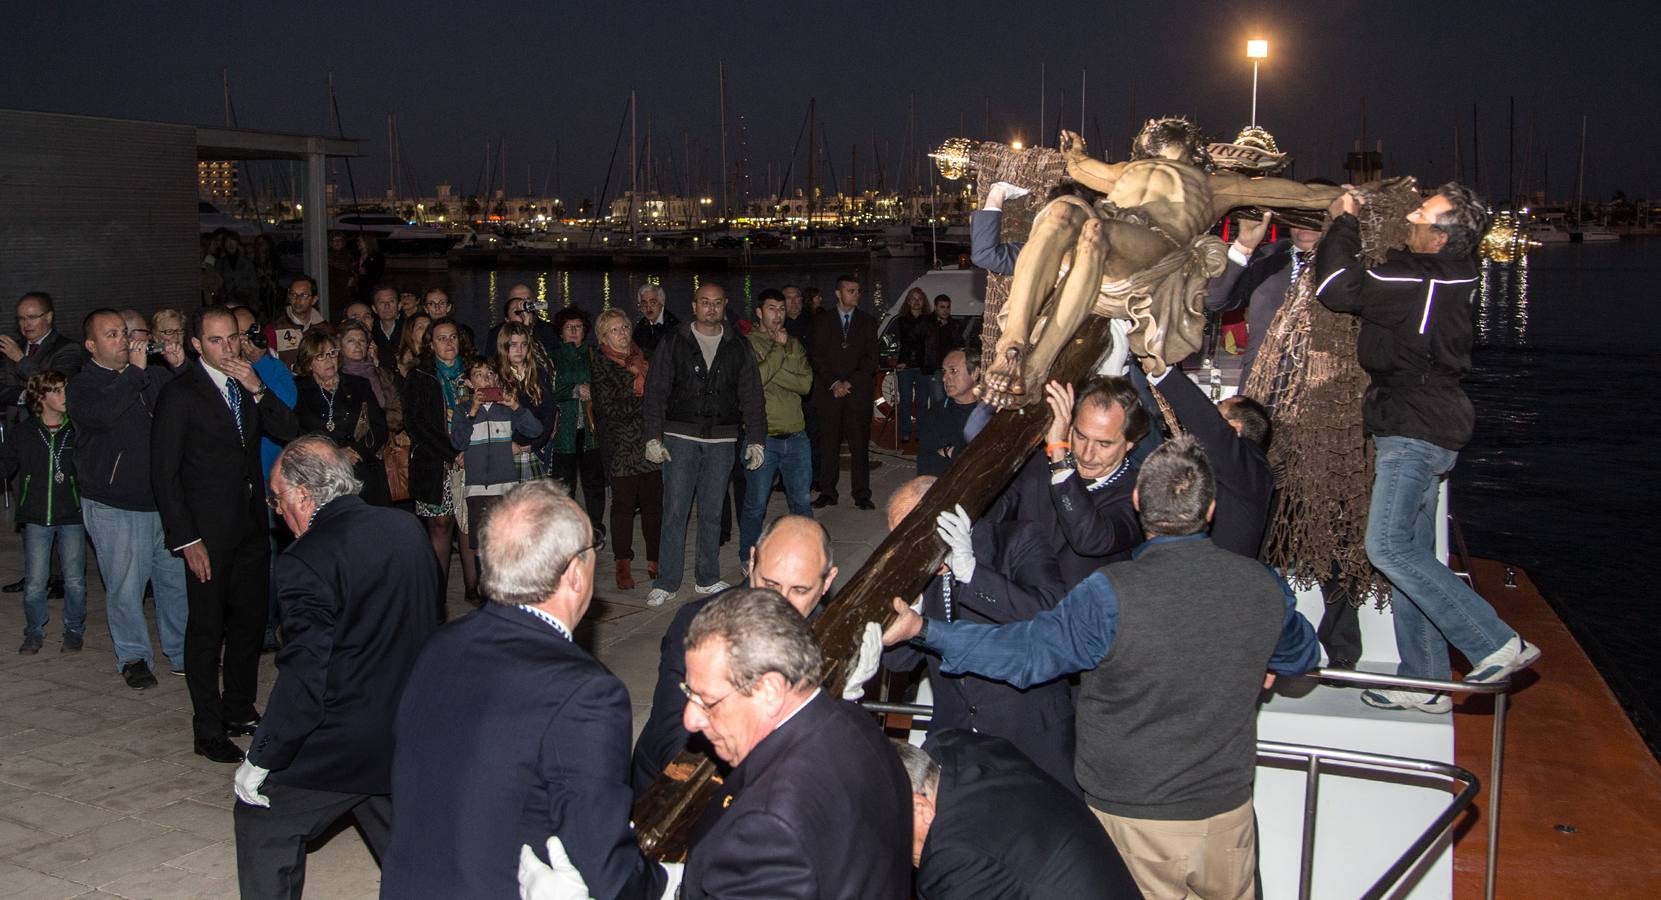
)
(1057, 445)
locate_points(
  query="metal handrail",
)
(1500, 690)
(1313, 755)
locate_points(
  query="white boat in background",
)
(1592, 234)
(395, 234)
(1548, 233)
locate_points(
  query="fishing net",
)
(1037, 169)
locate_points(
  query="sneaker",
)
(1512, 657)
(658, 597)
(71, 642)
(138, 676)
(1423, 702)
(31, 644)
(707, 589)
(175, 671)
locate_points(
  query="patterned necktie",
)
(946, 581)
(233, 396)
(1300, 258)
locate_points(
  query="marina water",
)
(1563, 476)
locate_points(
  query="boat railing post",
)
(1311, 797)
(1502, 702)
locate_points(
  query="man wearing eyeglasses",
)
(283, 333)
(521, 307)
(37, 348)
(509, 731)
(205, 469)
(321, 750)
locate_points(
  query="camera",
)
(256, 336)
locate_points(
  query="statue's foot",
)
(1003, 384)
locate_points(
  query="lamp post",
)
(1256, 50)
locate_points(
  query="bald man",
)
(996, 572)
(793, 559)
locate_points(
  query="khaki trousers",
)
(1211, 859)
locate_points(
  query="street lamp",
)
(1256, 50)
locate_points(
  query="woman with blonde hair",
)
(619, 383)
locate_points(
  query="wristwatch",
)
(1064, 464)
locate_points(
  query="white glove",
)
(672, 886)
(953, 526)
(247, 781)
(558, 880)
(1001, 192)
(865, 664)
(753, 454)
(656, 452)
(1117, 362)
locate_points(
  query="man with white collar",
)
(475, 778)
(1080, 486)
(210, 491)
(656, 321)
(37, 347)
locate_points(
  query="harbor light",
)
(1256, 50)
(1015, 144)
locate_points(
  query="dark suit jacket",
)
(821, 809)
(1087, 529)
(386, 348)
(1259, 287)
(508, 733)
(665, 735)
(355, 613)
(55, 352)
(1002, 829)
(207, 476)
(1016, 578)
(855, 363)
(1245, 483)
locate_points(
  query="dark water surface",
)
(1562, 477)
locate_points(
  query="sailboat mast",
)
(812, 152)
(391, 161)
(721, 90)
(1038, 140)
(634, 167)
(1580, 179)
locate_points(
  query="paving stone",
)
(171, 883)
(55, 815)
(193, 816)
(18, 883)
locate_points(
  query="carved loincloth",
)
(1166, 301)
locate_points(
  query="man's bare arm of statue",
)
(1086, 170)
(1229, 190)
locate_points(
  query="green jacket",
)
(786, 377)
(573, 365)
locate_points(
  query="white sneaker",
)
(1423, 702)
(1512, 657)
(658, 597)
(707, 589)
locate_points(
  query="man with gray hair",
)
(1166, 759)
(752, 689)
(656, 321)
(987, 822)
(355, 614)
(509, 732)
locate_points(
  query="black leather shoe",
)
(219, 749)
(824, 501)
(15, 587)
(235, 729)
(864, 504)
(138, 675)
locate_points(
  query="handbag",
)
(395, 459)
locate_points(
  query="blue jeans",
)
(37, 564)
(131, 551)
(792, 458)
(914, 398)
(1431, 606)
(701, 472)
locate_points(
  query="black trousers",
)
(844, 418)
(629, 493)
(227, 621)
(1340, 628)
(271, 842)
(588, 467)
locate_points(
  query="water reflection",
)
(1501, 313)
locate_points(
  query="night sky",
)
(460, 73)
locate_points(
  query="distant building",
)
(216, 179)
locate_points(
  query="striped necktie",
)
(233, 396)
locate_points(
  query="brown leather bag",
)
(396, 460)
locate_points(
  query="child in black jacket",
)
(42, 450)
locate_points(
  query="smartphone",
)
(490, 395)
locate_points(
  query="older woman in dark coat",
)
(619, 381)
(343, 408)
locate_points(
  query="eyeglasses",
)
(327, 354)
(170, 331)
(693, 698)
(34, 318)
(295, 295)
(275, 501)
